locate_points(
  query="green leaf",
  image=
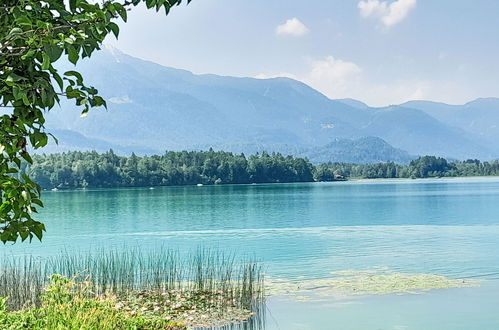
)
(46, 62)
(14, 32)
(25, 99)
(23, 21)
(54, 52)
(17, 161)
(27, 157)
(42, 141)
(16, 92)
(14, 78)
(5, 207)
(29, 54)
(58, 79)
(24, 235)
(99, 101)
(77, 75)
(38, 230)
(37, 202)
(114, 28)
(121, 11)
(45, 99)
(72, 54)
(54, 138)
(72, 5)
(26, 178)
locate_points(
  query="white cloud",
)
(397, 92)
(388, 13)
(372, 8)
(337, 79)
(292, 27)
(120, 99)
(333, 77)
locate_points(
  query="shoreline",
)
(356, 179)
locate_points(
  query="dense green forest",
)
(93, 170)
(423, 167)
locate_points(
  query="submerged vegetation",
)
(371, 282)
(205, 289)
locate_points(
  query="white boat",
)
(199, 185)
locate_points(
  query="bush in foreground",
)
(138, 288)
(68, 305)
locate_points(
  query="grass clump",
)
(205, 288)
(69, 305)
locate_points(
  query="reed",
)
(220, 278)
(22, 280)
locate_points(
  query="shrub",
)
(68, 305)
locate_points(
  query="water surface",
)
(301, 231)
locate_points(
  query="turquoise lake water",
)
(447, 227)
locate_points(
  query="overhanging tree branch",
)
(34, 35)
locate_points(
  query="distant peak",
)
(353, 103)
(111, 48)
(484, 101)
(115, 52)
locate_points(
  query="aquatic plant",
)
(369, 282)
(22, 281)
(205, 287)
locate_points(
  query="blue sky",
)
(380, 52)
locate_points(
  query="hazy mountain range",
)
(152, 108)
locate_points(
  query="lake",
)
(306, 231)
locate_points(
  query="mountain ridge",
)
(156, 108)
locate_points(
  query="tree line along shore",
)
(89, 169)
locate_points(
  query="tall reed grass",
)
(131, 270)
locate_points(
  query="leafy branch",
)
(33, 36)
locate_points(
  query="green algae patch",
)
(370, 282)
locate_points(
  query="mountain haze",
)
(152, 108)
(480, 117)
